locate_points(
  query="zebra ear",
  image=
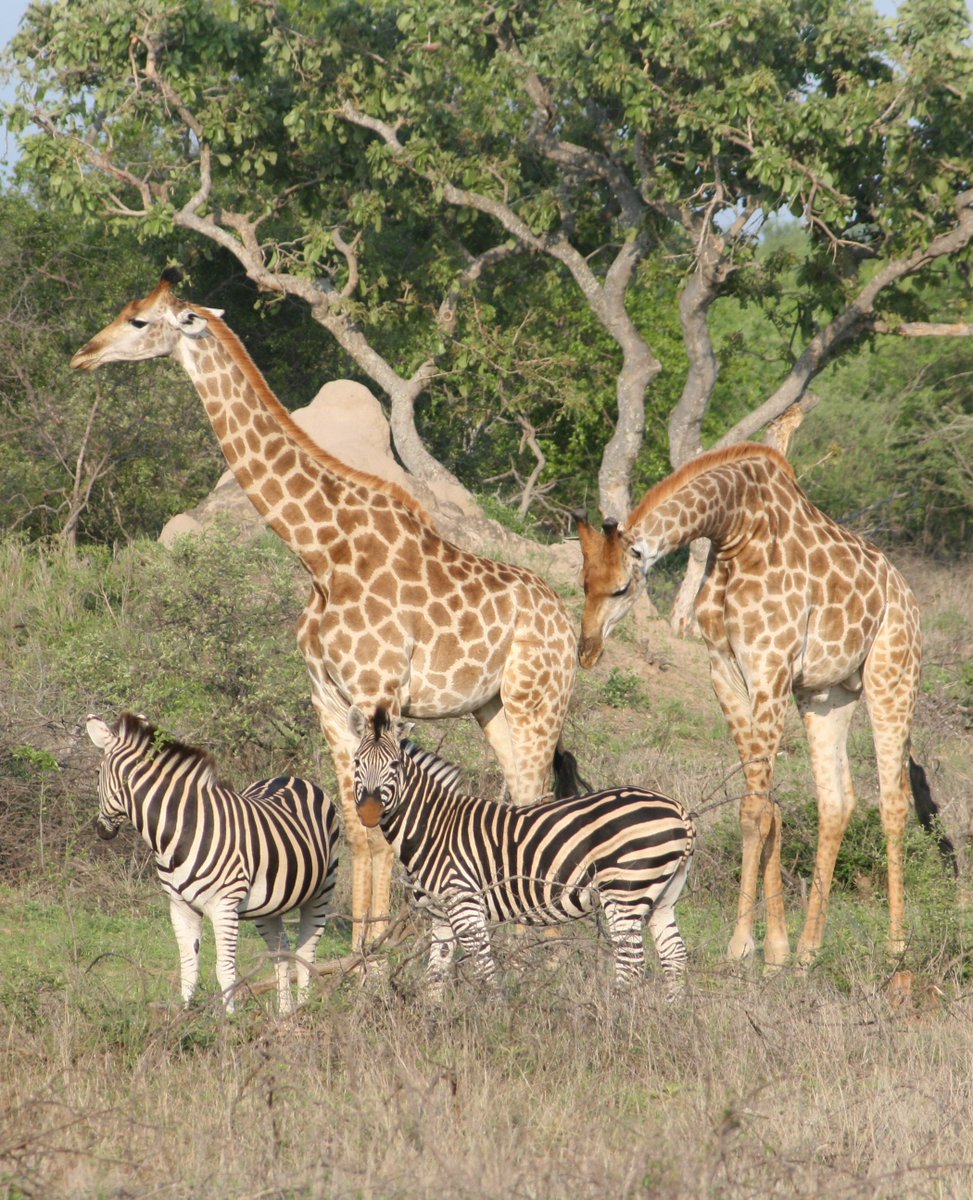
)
(404, 729)
(99, 732)
(356, 722)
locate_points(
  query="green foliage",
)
(468, 182)
(888, 454)
(84, 458)
(860, 867)
(204, 644)
(624, 689)
(200, 639)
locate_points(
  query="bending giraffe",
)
(397, 617)
(790, 602)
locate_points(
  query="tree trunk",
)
(639, 368)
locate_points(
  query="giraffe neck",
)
(298, 488)
(711, 506)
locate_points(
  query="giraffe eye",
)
(622, 590)
(137, 323)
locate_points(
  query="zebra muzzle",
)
(370, 811)
(105, 829)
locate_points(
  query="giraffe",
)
(790, 602)
(397, 616)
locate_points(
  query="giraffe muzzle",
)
(589, 651)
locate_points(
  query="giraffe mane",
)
(152, 735)
(699, 466)
(254, 376)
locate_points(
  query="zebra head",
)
(111, 807)
(377, 763)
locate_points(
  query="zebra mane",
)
(446, 774)
(151, 738)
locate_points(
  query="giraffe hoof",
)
(740, 948)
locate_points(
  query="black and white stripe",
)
(472, 861)
(227, 855)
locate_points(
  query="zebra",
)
(228, 855)
(471, 860)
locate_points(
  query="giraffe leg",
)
(891, 680)
(756, 722)
(371, 862)
(493, 721)
(894, 805)
(370, 854)
(827, 717)
(535, 708)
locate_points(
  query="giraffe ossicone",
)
(791, 602)
(397, 617)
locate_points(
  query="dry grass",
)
(773, 1087)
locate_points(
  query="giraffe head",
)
(613, 566)
(151, 328)
(377, 763)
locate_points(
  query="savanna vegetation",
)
(568, 245)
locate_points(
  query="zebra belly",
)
(550, 904)
(268, 901)
(258, 900)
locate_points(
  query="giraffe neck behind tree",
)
(397, 616)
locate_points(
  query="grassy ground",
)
(853, 1080)
(825, 1085)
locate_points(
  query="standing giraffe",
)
(397, 617)
(790, 602)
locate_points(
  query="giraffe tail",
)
(567, 777)
(927, 810)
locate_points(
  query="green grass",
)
(59, 948)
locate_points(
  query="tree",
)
(382, 161)
(79, 460)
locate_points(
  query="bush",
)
(200, 639)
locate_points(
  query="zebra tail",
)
(567, 777)
(927, 810)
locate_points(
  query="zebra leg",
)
(440, 965)
(626, 932)
(272, 930)
(467, 916)
(313, 919)
(226, 927)
(669, 945)
(187, 926)
(671, 949)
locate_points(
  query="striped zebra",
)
(471, 861)
(227, 855)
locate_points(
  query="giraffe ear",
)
(99, 732)
(356, 722)
(193, 322)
